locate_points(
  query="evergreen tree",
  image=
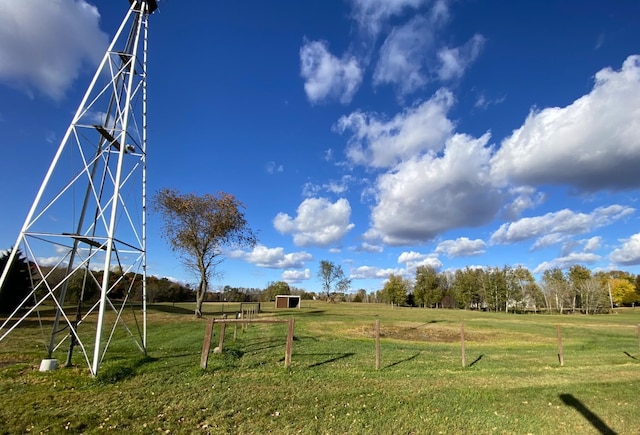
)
(17, 284)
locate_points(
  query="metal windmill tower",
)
(85, 232)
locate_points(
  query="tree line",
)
(506, 289)
(514, 289)
(86, 285)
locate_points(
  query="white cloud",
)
(337, 187)
(411, 257)
(370, 272)
(412, 260)
(526, 197)
(461, 247)
(326, 76)
(379, 143)
(44, 43)
(403, 56)
(553, 227)
(274, 258)
(567, 261)
(319, 222)
(629, 253)
(368, 247)
(552, 239)
(52, 261)
(592, 244)
(426, 196)
(292, 276)
(455, 61)
(592, 144)
(372, 15)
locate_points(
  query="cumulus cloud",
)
(326, 76)
(629, 253)
(455, 61)
(44, 44)
(294, 276)
(461, 247)
(319, 222)
(592, 144)
(381, 143)
(553, 227)
(274, 258)
(567, 261)
(412, 260)
(426, 196)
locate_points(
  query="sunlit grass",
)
(513, 382)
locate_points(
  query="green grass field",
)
(512, 384)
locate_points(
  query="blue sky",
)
(380, 135)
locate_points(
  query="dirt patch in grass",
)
(423, 332)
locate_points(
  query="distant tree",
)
(360, 296)
(427, 291)
(623, 292)
(579, 276)
(556, 288)
(469, 288)
(333, 279)
(395, 290)
(522, 288)
(17, 284)
(274, 289)
(197, 227)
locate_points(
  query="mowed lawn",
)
(513, 382)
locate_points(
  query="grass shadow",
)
(314, 312)
(592, 418)
(476, 361)
(335, 357)
(402, 360)
(162, 308)
(630, 356)
(121, 372)
(265, 344)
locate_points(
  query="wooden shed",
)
(287, 301)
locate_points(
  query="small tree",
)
(17, 284)
(395, 290)
(274, 289)
(197, 227)
(333, 279)
(427, 288)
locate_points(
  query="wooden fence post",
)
(289, 349)
(378, 344)
(223, 326)
(464, 351)
(235, 328)
(560, 349)
(206, 344)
